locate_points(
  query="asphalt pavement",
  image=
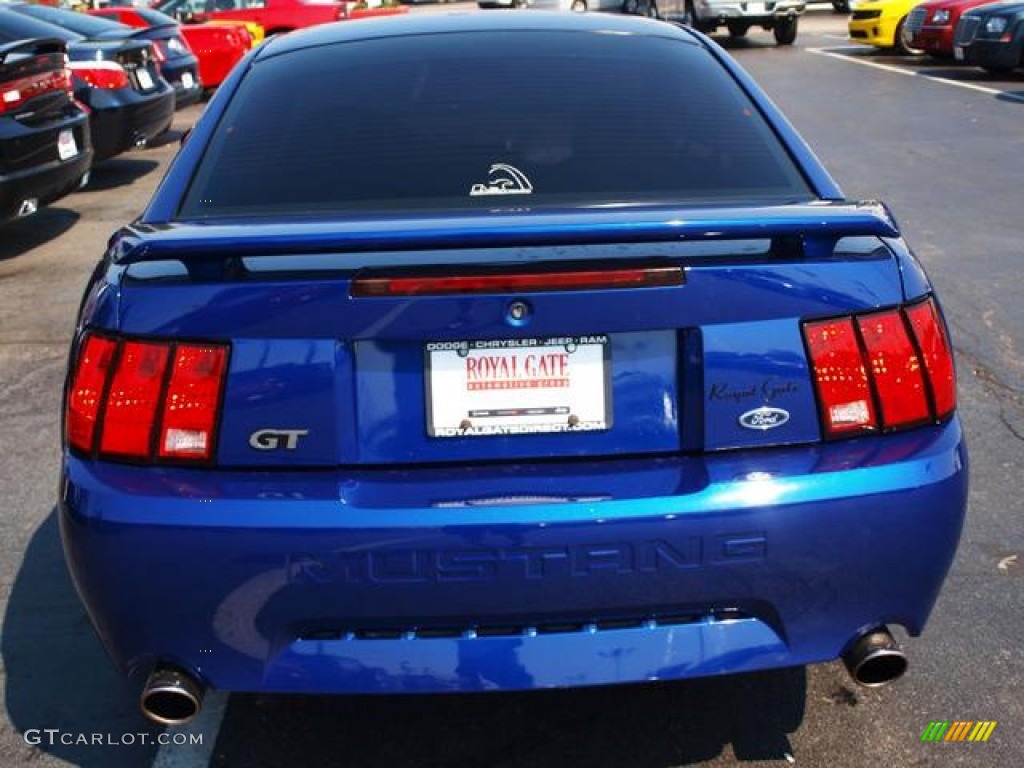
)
(944, 147)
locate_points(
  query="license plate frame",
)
(67, 147)
(144, 79)
(537, 386)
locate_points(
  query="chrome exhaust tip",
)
(27, 207)
(171, 697)
(875, 659)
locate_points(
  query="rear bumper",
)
(46, 182)
(121, 119)
(562, 574)
(175, 74)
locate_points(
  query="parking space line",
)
(835, 53)
(207, 723)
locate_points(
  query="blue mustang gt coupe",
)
(460, 353)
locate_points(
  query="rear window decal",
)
(503, 179)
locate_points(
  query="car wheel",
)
(738, 30)
(578, 6)
(785, 31)
(904, 40)
(651, 11)
(841, 6)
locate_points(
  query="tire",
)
(631, 7)
(785, 31)
(841, 6)
(578, 6)
(738, 30)
(902, 40)
(651, 10)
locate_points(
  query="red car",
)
(930, 25)
(275, 16)
(217, 46)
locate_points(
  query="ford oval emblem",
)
(764, 418)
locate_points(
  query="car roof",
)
(997, 9)
(469, 22)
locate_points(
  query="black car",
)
(45, 149)
(178, 65)
(991, 37)
(118, 80)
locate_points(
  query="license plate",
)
(958, 53)
(145, 79)
(755, 9)
(66, 145)
(518, 386)
(187, 81)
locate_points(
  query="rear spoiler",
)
(33, 47)
(133, 33)
(188, 241)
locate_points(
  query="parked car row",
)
(175, 61)
(979, 32)
(217, 45)
(79, 89)
(69, 101)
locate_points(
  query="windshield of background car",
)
(474, 121)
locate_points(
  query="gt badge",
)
(272, 439)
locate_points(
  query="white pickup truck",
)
(738, 17)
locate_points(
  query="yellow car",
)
(882, 23)
(256, 32)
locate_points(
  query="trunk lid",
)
(325, 372)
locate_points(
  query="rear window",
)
(489, 119)
(90, 26)
(14, 27)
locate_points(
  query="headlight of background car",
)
(995, 25)
(940, 16)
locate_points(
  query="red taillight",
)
(938, 360)
(895, 369)
(101, 74)
(151, 399)
(898, 359)
(193, 401)
(87, 390)
(16, 93)
(528, 282)
(133, 399)
(840, 377)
